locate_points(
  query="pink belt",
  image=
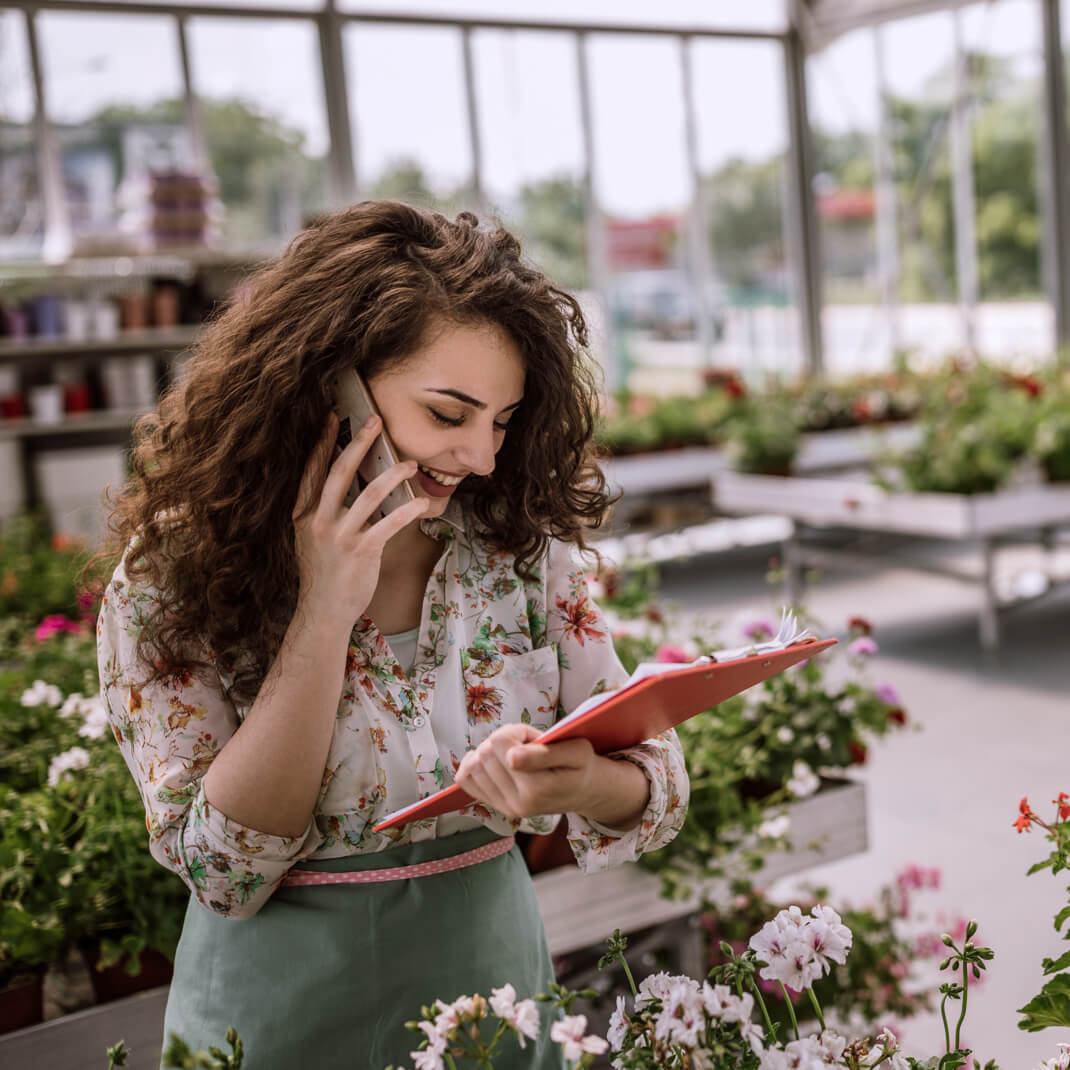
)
(397, 873)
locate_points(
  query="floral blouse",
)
(492, 649)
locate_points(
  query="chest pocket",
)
(512, 689)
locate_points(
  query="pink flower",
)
(863, 645)
(54, 625)
(888, 694)
(670, 653)
(759, 630)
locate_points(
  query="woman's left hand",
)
(522, 778)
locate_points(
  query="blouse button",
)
(418, 722)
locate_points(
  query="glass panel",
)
(761, 15)
(411, 133)
(844, 106)
(1003, 41)
(264, 123)
(533, 145)
(644, 189)
(919, 57)
(741, 153)
(113, 89)
(21, 214)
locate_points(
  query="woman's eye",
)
(448, 421)
(456, 421)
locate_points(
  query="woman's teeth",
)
(438, 477)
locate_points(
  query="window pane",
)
(741, 153)
(1003, 41)
(411, 137)
(763, 15)
(844, 116)
(113, 90)
(264, 124)
(919, 56)
(532, 145)
(21, 218)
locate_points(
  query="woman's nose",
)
(476, 452)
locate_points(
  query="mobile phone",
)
(354, 404)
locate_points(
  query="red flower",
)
(1023, 806)
(1025, 818)
(1063, 802)
(858, 752)
(484, 702)
(581, 619)
(859, 626)
(897, 716)
(1022, 823)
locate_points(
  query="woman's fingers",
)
(374, 494)
(344, 470)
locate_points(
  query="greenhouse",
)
(534, 534)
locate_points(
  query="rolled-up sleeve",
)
(589, 666)
(169, 732)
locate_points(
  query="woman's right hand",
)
(338, 552)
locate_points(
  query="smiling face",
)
(448, 406)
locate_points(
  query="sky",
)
(406, 94)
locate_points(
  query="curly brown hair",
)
(215, 470)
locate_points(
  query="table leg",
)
(989, 618)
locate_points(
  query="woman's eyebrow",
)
(469, 400)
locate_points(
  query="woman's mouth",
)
(438, 484)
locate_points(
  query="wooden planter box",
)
(581, 910)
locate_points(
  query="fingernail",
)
(370, 422)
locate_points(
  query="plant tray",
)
(581, 910)
(857, 503)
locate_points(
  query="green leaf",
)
(1061, 917)
(1055, 965)
(1050, 1008)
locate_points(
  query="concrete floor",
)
(992, 728)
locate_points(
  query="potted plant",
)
(762, 435)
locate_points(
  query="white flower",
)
(1059, 1062)
(830, 938)
(775, 827)
(428, 1059)
(681, 1017)
(436, 1041)
(803, 780)
(523, 1017)
(832, 1046)
(568, 1032)
(785, 734)
(655, 986)
(823, 741)
(75, 758)
(42, 694)
(618, 1026)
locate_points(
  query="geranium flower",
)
(42, 694)
(803, 781)
(859, 626)
(568, 1032)
(56, 625)
(1063, 802)
(759, 630)
(863, 646)
(68, 761)
(672, 654)
(1025, 816)
(1059, 1062)
(522, 1017)
(618, 1026)
(888, 695)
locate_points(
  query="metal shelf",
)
(115, 420)
(151, 339)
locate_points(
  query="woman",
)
(281, 673)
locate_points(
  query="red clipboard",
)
(641, 711)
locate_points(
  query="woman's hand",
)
(521, 778)
(338, 552)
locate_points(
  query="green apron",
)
(325, 976)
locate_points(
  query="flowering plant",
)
(760, 750)
(1051, 1007)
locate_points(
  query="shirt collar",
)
(450, 523)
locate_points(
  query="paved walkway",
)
(992, 729)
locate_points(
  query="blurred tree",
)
(552, 214)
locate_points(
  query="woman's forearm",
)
(268, 775)
(622, 795)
